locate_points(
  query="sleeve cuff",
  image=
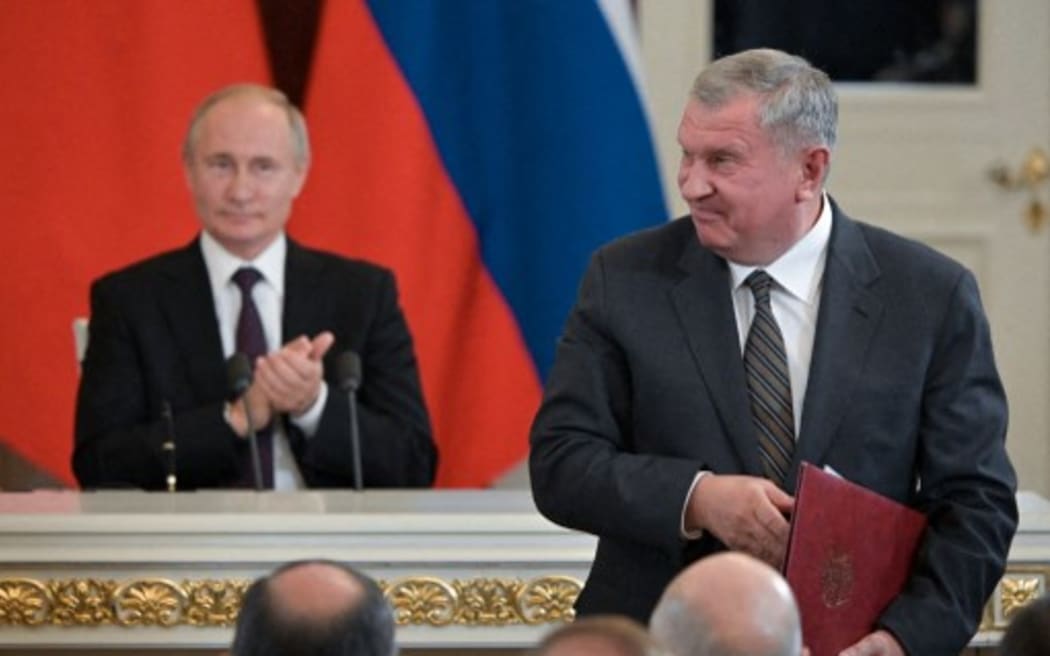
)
(311, 419)
(698, 533)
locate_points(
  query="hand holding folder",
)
(849, 555)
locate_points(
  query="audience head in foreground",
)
(1029, 631)
(599, 635)
(314, 608)
(728, 604)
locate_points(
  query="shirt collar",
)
(222, 264)
(800, 270)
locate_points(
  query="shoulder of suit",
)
(669, 231)
(143, 271)
(334, 262)
(657, 243)
(893, 250)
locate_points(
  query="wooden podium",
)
(466, 571)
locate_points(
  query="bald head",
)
(314, 591)
(728, 604)
(314, 608)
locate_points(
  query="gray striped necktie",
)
(769, 384)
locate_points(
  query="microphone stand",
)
(239, 379)
(168, 445)
(349, 375)
(355, 440)
(253, 445)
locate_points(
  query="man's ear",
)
(814, 164)
(302, 169)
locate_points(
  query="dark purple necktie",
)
(251, 341)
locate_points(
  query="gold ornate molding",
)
(157, 602)
(482, 602)
(423, 600)
(1020, 585)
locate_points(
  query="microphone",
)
(348, 377)
(168, 445)
(238, 380)
(238, 375)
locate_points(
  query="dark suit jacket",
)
(648, 388)
(155, 338)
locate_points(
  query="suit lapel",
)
(849, 314)
(189, 310)
(705, 309)
(303, 305)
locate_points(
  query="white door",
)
(915, 159)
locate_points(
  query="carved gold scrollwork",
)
(482, 602)
(23, 602)
(82, 602)
(549, 599)
(1021, 584)
(423, 600)
(489, 602)
(214, 603)
(1016, 592)
(152, 602)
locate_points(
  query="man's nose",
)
(693, 182)
(240, 187)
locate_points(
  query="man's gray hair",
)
(798, 106)
(296, 121)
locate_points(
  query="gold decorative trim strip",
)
(157, 602)
(423, 600)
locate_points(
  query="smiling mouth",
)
(238, 216)
(704, 215)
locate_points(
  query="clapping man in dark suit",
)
(707, 358)
(162, 329)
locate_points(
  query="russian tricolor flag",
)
(482, 149)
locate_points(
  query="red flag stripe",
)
(91, 175)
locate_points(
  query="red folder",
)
(849, 554)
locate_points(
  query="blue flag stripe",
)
(541, 130)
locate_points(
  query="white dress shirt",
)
(268, 295)
(798, 277)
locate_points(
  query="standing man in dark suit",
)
(161, 330)
(673, 426)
